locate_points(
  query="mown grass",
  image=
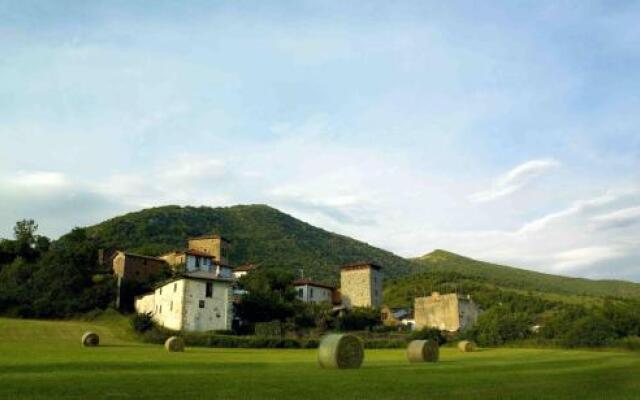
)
(41, 359)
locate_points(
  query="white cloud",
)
(619, 218)
(38, 179)
(515, 179)
(585, 256)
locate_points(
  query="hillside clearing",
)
(42, 359)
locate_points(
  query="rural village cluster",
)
(199, 297)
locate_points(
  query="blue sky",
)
(508, 133)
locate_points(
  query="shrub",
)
(429, 334)
(359, 318)
(142, 322)
(629, 343)
(268, 329)
(590, 331)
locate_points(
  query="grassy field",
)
(41, 359)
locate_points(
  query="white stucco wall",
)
(313, 294)
(217, 312)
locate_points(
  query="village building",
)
(190, 260)
(448, 312)
(197, 301)
(242, 270)
(135, 267)
(310, 291)
(396, 316)
(361, 285)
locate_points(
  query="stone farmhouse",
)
(449, 312)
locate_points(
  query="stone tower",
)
(361, 285)
(213, 245)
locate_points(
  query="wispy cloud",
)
(515, 179)
(618, 219)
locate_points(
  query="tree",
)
(268, 296)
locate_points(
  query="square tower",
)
(361, 285)
(213, 245)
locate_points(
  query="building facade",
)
(212, 245)
(135, 267)
(313, 292)
(449, 312)
(361, 285)
(196, 302)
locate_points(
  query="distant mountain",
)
(259, 234)
(440, 261)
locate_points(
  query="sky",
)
(503, 131)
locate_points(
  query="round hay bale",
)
(466, 346)
(174, 344)
(90, 339)
(340, 351)
(423, 351)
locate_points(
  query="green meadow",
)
(44, 359)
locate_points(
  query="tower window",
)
(208, 292)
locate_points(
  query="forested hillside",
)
(259, 234)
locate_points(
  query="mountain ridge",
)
(263, 235)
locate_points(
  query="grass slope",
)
(40, 359)
(441, 261)
(259, 234)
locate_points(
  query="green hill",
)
(440, 261)
(258, 233)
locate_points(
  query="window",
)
(201, 304)
(197, 262)
(160, 290)
(175, 287)
(160, 308)
(208, 292)
(300, 293)
(311, 292)
(171, 306)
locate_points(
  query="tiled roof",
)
(307, 282)
(141, 256)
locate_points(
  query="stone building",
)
(448, 312)
(309, 291)
(213, 245)
(136, 268)
(197, 301)
(192, 260)
(361, 285)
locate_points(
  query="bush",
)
(629, 343)
(498, 326)
(385, 344)
(358, 319)
(268, 329)
(590, 331)
(142, 322)
(429, 334)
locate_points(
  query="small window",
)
(201, 304)
(160, 308)
(171, 306)
(175, 287)
(197, 262)
(160, 290)
(311, 292)
(209, 290)
(300, 293)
